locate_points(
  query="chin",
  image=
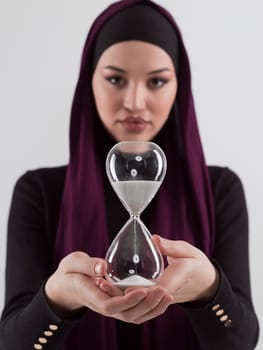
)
(133, 137)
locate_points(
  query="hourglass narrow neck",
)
(135, 216)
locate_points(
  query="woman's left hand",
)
(189, 275)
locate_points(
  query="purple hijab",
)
(183, 208)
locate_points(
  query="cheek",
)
(170, 98)
(164, 103)
(106, 100)
(101, 95)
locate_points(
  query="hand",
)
(77, 282)
(155, 302)
(189, 275)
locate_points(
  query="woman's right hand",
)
(74, 285)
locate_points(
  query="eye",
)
(156, 83)
(115, 80)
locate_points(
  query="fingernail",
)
(98, 281)
(160, 238)
(98, 268)
(163, 241)
(156, 236)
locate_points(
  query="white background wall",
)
(40, 48)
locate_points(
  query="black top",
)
(32, 225)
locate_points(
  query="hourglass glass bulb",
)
(136, 171)
(133, 259)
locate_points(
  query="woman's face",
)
(134, 86)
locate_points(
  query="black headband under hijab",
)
(139, 22)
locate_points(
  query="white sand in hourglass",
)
(136, 195)
(134, 281)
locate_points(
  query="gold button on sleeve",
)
(228, 323)
(53, 327)
(38, 346)
(220, 312)
(216, 307)
(224, 318)
(48, 333)
(42, 340)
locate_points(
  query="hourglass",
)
(135, 170)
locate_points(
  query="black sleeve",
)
(228, 321)
(27, 318)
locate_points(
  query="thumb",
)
(175, 248)
(80, 262)
(98, 267)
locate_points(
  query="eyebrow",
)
(116, 69)
(159, 71)
(120, 70)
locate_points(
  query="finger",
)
(108, 288)
(175, 249)
(158, 310)
(80, 262)
(130, 289)
(92, 296)
(119, 304)
(154, 297)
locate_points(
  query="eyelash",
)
(153, 83)
(115, 80)
(156, 83)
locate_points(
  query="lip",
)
(134, 124)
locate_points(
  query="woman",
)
(134, 84)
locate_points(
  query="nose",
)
(134, 98)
